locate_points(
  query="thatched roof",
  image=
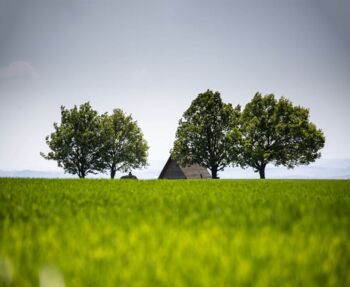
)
(172, 170)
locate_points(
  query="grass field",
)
(174, 233)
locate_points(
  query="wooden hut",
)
(172, 170)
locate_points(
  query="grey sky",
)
(151, 58)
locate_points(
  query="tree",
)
(75, 143)
(205, 134)
(275, 131)
(123, 147)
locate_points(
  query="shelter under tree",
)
(129, 176)
(172, 170)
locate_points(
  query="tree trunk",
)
(214, 172)
(113, 171)
(81, 173)
(81, 169)
(262, 172)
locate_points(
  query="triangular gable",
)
(172, 170)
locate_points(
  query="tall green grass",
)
(174, 233)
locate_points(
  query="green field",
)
(174, 233)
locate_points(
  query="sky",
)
(152, 58)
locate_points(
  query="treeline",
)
(211, 133)
(87, 143)
(268, 130)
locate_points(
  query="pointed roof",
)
(173, 170)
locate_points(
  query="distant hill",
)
(322, 169)
(34, 174)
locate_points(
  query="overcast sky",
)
(151, 59)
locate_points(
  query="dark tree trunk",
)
(81, 169)
(214, 172)
(262, 171)
(113, 171)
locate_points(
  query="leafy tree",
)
(205, 134)
(75, 143)
(123, 147)
(275, 131)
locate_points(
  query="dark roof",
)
(129, 176)
(173, 170)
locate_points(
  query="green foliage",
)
(174, 233)
(75, 144)
(275, 131)
(86, 143)
(204, 135)
(123, 145)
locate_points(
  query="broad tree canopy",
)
(75, 143)
(204, 135)
(123, 145)
(275, 131)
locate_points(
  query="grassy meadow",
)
(174, 233)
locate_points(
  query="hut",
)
(172, 170)
(129, 176)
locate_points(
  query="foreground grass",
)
(174, 233)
